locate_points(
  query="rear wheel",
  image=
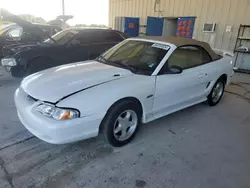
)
(121, 123)
(217, 92)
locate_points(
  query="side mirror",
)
(175, 70)
(74, 42)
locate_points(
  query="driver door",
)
(177, 91)
(78, 49)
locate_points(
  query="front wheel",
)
(217, 92)
(17, 72)
(39, 64)
(121, 123)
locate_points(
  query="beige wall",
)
(222, 12)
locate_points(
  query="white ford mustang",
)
(138, 80)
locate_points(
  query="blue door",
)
(154, 26)
(131, 27)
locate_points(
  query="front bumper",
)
(50, 130)
(16, 71)
(8, 65)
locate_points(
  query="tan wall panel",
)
(222, 12)
(171, 7)
(197, 13)
(180, 8)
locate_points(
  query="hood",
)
(56, 83)
(39, 31)
(11, 49)
(7, 16)
(27, 26)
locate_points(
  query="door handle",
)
(202, 75)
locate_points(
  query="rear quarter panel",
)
(218, 68)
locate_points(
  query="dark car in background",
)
(22, 31)
(13, 34)
(67, 46)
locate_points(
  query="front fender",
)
(97, 100)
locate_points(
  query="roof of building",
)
(178, 41)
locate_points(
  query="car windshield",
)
(62, 37)
(140, 57)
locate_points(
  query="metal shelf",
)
(244, 38)
(240, 38)
(245, 25)
(240, 51)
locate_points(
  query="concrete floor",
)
(199, 147)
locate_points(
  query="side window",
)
(46, 30)
(98, 36)
(55, 30)
(185, 57)
(206, 57)
(81, 38)
(112, 36)
(88, 37)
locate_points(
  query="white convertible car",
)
(138, 80)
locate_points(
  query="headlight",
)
(9, 62)
(57, 113)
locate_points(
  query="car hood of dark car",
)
(11, 49)
(58, 82)
(27, 26)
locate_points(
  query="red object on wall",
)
(131, 25)
(185, 27)
(178, 34)
(183, 33)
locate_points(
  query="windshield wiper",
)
(101, 59)
(52, 39)
(124, 65)
(119, 63)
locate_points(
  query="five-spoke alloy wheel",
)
(217, 92)
(122, 122)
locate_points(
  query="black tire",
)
(109, 121)
(17, 72)
(38, 64)
(210, 98)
